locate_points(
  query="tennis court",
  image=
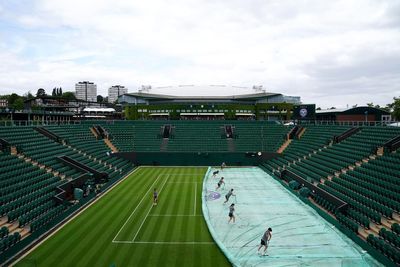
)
(123, 228)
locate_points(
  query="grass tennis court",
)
(124, 228)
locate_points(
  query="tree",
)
(100, 99)
(318, 108)
(18, 104)
(370, 104)
(60, 91)
(29, 95)
(131, 113)
(396, 108)
(41, 92)
(54, 93)
(333, 108)
(12, 98)
(68, 96)
(387, 108)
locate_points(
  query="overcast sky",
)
(331, 53)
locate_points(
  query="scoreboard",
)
(304, 112)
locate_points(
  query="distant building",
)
(259, 105)
(115, 91)
(86, 91)
(3, 103)
(61, 109)
(357, 114)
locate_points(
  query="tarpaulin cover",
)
(300, 237)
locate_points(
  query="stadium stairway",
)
(302, 130)
(284, 146)
(164, 145)
(122, 135)
(110, 145)
(231, 145)
(94, 131)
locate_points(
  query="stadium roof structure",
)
(99, 109)
(254, 96)
(206, 94)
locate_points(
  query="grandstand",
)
(187, 136)
(349, 175)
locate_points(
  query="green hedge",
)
(131, 112)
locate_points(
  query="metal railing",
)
(351, 123)
(72, 122)
(4, 123)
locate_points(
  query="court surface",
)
(300, 237)
(123, 228)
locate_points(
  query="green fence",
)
(196, 159)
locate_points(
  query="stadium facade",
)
(259, 105)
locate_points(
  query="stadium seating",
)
(199, 136)
(202, 137)
(28, 180)
(313, 139)
(93, 152)
(39, 148)
(259, 137)
(354, 172)
(384, 247)
(9, 240)
(26, 195)
(24, 188)
(350, 170)
(122, 135)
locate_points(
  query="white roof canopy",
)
(99, 109)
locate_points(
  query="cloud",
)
(329, 53)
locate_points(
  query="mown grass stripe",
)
(144, 219)
(147, 190)
(102, 228)
(94, 219)
(120, 253)
(86, 240)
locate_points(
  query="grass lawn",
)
(124, 228)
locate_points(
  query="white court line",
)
(184, 182)
(174, 215)
(165, 242)
(181, 174)
(140, 227)
(195, 197)
(175, 243)
(136, 207)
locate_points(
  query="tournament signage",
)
(304, 112)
